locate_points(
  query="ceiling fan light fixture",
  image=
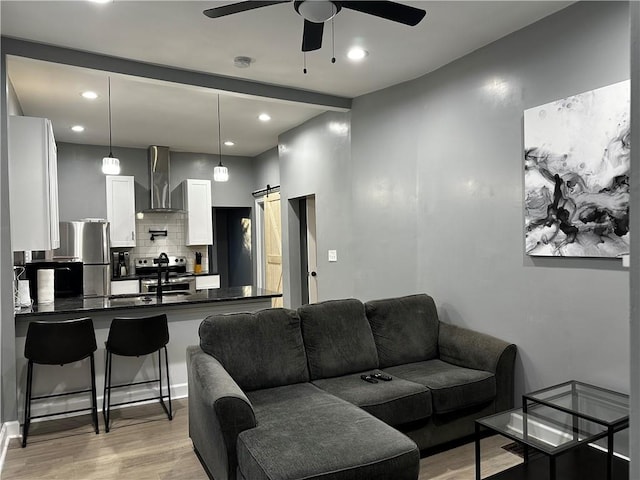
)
(317, 11)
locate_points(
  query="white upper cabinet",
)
(197, 203)
(121, 210)
(33, 184)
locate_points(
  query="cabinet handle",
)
(133, 235)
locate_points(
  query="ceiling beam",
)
(107, 63)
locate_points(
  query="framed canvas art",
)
(576, 174)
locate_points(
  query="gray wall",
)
(315, 159)
(430, 199)
(438, 199)
(8, 400)
(266, 169)
(14, 107)
(80, 177)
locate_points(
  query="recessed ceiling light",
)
(265, 117)
(89, 95)
(357, 53)
(229, 143)
(100, 1)
(77, 128)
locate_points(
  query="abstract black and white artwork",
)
(576, 174)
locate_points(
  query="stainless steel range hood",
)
(159, 180)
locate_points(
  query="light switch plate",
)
(333, 255)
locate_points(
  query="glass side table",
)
(585, 403)
(543, 428)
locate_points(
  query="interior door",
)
(312, 253)
(273, 246)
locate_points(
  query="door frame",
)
(259, 223)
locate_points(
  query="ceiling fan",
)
(316, 12)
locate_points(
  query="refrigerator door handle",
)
(106, 278)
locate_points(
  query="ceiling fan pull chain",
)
(333, 43)
(304, 61)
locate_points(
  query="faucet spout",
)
(162, 259)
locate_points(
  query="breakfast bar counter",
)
(88, 306)
(184, 313)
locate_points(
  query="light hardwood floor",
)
(144, 445)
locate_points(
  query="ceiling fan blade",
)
(312, 36)
(396, 12)
(239, 7)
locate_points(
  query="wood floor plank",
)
(144, 445)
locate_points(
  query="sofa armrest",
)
(218, 411)
(471, 349)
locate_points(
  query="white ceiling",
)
(176, 33)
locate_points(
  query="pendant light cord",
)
(219, 136)
(333, 41)
(110, 152)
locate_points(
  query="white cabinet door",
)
(33, 184)
(197, 202)
(121, 210)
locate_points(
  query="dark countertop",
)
(133, 276)
(128, 301)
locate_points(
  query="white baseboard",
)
(60, 404)
(8, 431)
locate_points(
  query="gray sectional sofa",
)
(278, 394)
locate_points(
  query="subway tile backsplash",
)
(173, 244)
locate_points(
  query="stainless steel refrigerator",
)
(88, 241)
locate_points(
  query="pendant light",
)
(110, 164)
(220, 172)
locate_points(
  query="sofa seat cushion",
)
(395, 402)
(452, 387)
(303, 432)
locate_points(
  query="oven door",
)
(182, 284)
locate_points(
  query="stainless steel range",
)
(174, 276)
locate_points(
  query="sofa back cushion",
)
(337, 338)
(259, 350)
(405, 329)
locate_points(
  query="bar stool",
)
(59, 343)
(133, 337)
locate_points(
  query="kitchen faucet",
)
(162, 259)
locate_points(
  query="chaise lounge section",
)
(278, 394)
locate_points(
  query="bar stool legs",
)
(166, 361)
(28, 399)
(106, 399)
(27, 405)
(59, 343)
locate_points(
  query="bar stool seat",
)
(59, 343)
(134, 337)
